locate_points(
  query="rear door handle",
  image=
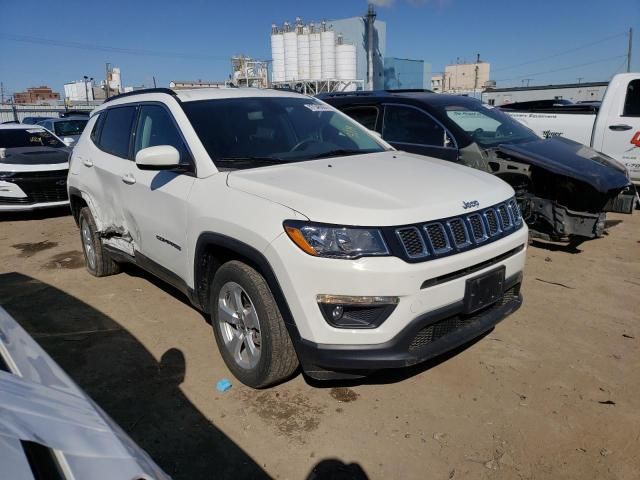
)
(620, 127)
(129, 179)
(87, 163)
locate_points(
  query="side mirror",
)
(161, 157)
(377, 134)
(68, 141)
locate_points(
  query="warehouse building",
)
(406, 73)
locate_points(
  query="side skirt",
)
(156, 270)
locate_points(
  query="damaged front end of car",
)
(564, 189)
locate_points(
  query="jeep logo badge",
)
(471, 204)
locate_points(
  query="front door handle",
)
(87, 163)
(620, 127)
(129, 179)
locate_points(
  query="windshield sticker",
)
(318, 107)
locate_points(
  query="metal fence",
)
(12, 113)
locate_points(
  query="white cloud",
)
(382, 3)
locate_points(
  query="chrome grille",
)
(477, 227)
(442, 237)
(459, 232)
(492, 221)
(515, 212)
(437, 237)
(505, 219)
(412, 242)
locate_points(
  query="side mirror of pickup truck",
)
(161, 157)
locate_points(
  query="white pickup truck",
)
(613, 128)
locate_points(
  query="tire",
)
(102, 265)
(238, 343)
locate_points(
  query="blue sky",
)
(193, 39)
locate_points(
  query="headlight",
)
(336, 242)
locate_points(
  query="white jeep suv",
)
(308, 239)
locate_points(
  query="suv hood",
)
(381, 189)
(571, 159)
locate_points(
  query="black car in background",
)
(564, 188)
(34, 164)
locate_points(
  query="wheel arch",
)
(215, 249)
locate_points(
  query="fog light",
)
(342, 311)
(337, 312)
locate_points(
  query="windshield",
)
(69, 127)
(32, 137)
(248, 132)
(487, 126)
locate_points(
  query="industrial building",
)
(39, 95)
(463, 78)
(406, 73)
(79, 91)
(575, 92)
(185, 84)
(341, 55)
(313, 58)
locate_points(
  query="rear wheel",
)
(248, 327)
(97, 260)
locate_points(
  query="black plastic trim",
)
(432, 282)
(395, 353)
(43, 463)
(211, 239)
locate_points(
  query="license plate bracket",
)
(484, 290)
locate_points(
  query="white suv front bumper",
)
(303, 277)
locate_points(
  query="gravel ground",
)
(552, 393)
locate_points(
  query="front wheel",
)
(248, 327)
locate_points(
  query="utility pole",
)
(629, 49)
(1, 93)
(580, 80)
(106, 83)
(154, 82)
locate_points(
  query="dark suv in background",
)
(564, 188)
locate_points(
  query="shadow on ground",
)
(395, 375)
(141, 394)
(36, 214)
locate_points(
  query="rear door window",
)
(116, 131)
(97, 127)
(403, 124)
(367, 116)
(632, 100)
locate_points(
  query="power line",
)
(602, 60)
(105, 48)
(564, 52)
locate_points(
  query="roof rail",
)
(168, 91)
(409, 90)
(358, 93)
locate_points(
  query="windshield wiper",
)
(239, 162)
(338, 153)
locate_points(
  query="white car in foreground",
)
(308, 239)
(34, 164)
(49, 428)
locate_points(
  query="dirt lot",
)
(552, 393)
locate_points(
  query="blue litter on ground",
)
(223, 385)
